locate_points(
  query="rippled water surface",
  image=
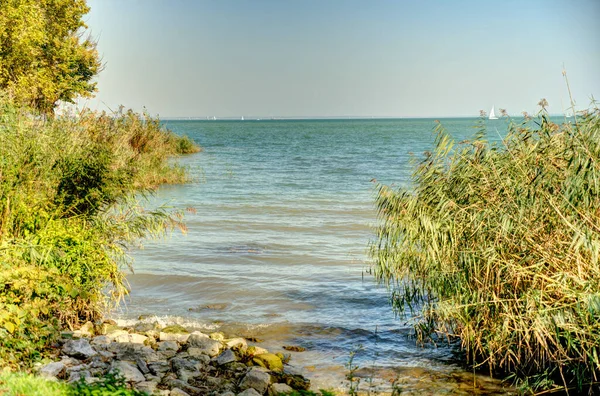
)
(277, 246)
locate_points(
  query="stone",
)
(218, 336)
(178, 392)
(80, 349)
(180, 337)
(228, 393)
(236, 343)
(254, 350)
(122, 338)
(159, 368)
(280, 389)
(175, 328)
(184, 368)
(198, 354)
(130, 352)
(226, 357)
(269, 361)
(141, 364)
(87, 329)
(147, 386)
(142, 327)
(184, 386)
(69, 362)
(206, 345)
(256, 379)
(249, 392)
(127, 370)
(167, 346)
(112, 335)
(75, 376)
(100, 341)
(137, 338)
(52, 370)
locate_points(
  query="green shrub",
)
(498, 244)
(110, 385)
(67, 215)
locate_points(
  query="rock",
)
(228, 393)
(124, 337)
(174, 329)
(147, 386)
(141, 364)
(184, 368)
(178, 392)
(175, 383)
(142, 327)
(226, 357)
(294, 380)
(69, 362)
(87, 330)
(75, 376)
(249, 392)
(137, 338)
(127, 370)
(100, 341)
(257, 379)
(159, 368)
(167, 346)
(199, 355)
(52, 370)
(130, 352)
(218, 336)
(180, 337)
(269, 360)
(236, 343)
(80, 349)
(279, 389)
(112, 335)
(109, 322)
(206, 345)
(254, 350)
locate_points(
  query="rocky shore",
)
(172, 361)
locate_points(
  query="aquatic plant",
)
(499, 245)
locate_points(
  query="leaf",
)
(9, 327)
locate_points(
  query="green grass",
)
(498, 245)
(21, 384)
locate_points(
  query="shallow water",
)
(277, 246)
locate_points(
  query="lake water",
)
(278, 245)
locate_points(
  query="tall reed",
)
(498, 245)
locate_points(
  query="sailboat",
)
(242, 118)
(492, 114)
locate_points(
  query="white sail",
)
(492, 114)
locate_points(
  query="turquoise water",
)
(277, 246)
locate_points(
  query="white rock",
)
(137, 338)
(147, 386)
(236, 343)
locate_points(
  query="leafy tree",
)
(44, 57)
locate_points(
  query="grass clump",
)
(498, 245)
(19, 384)
(67, 215)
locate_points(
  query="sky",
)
(337, 58)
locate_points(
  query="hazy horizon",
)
(382, 59)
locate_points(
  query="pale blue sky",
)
(344, 58)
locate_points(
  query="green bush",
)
(21, 384)
(498, 244)
(67, 215)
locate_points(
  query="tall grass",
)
(498, 245)
(67, 215)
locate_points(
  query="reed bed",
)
(498, 245)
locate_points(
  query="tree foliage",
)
(44, 57)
